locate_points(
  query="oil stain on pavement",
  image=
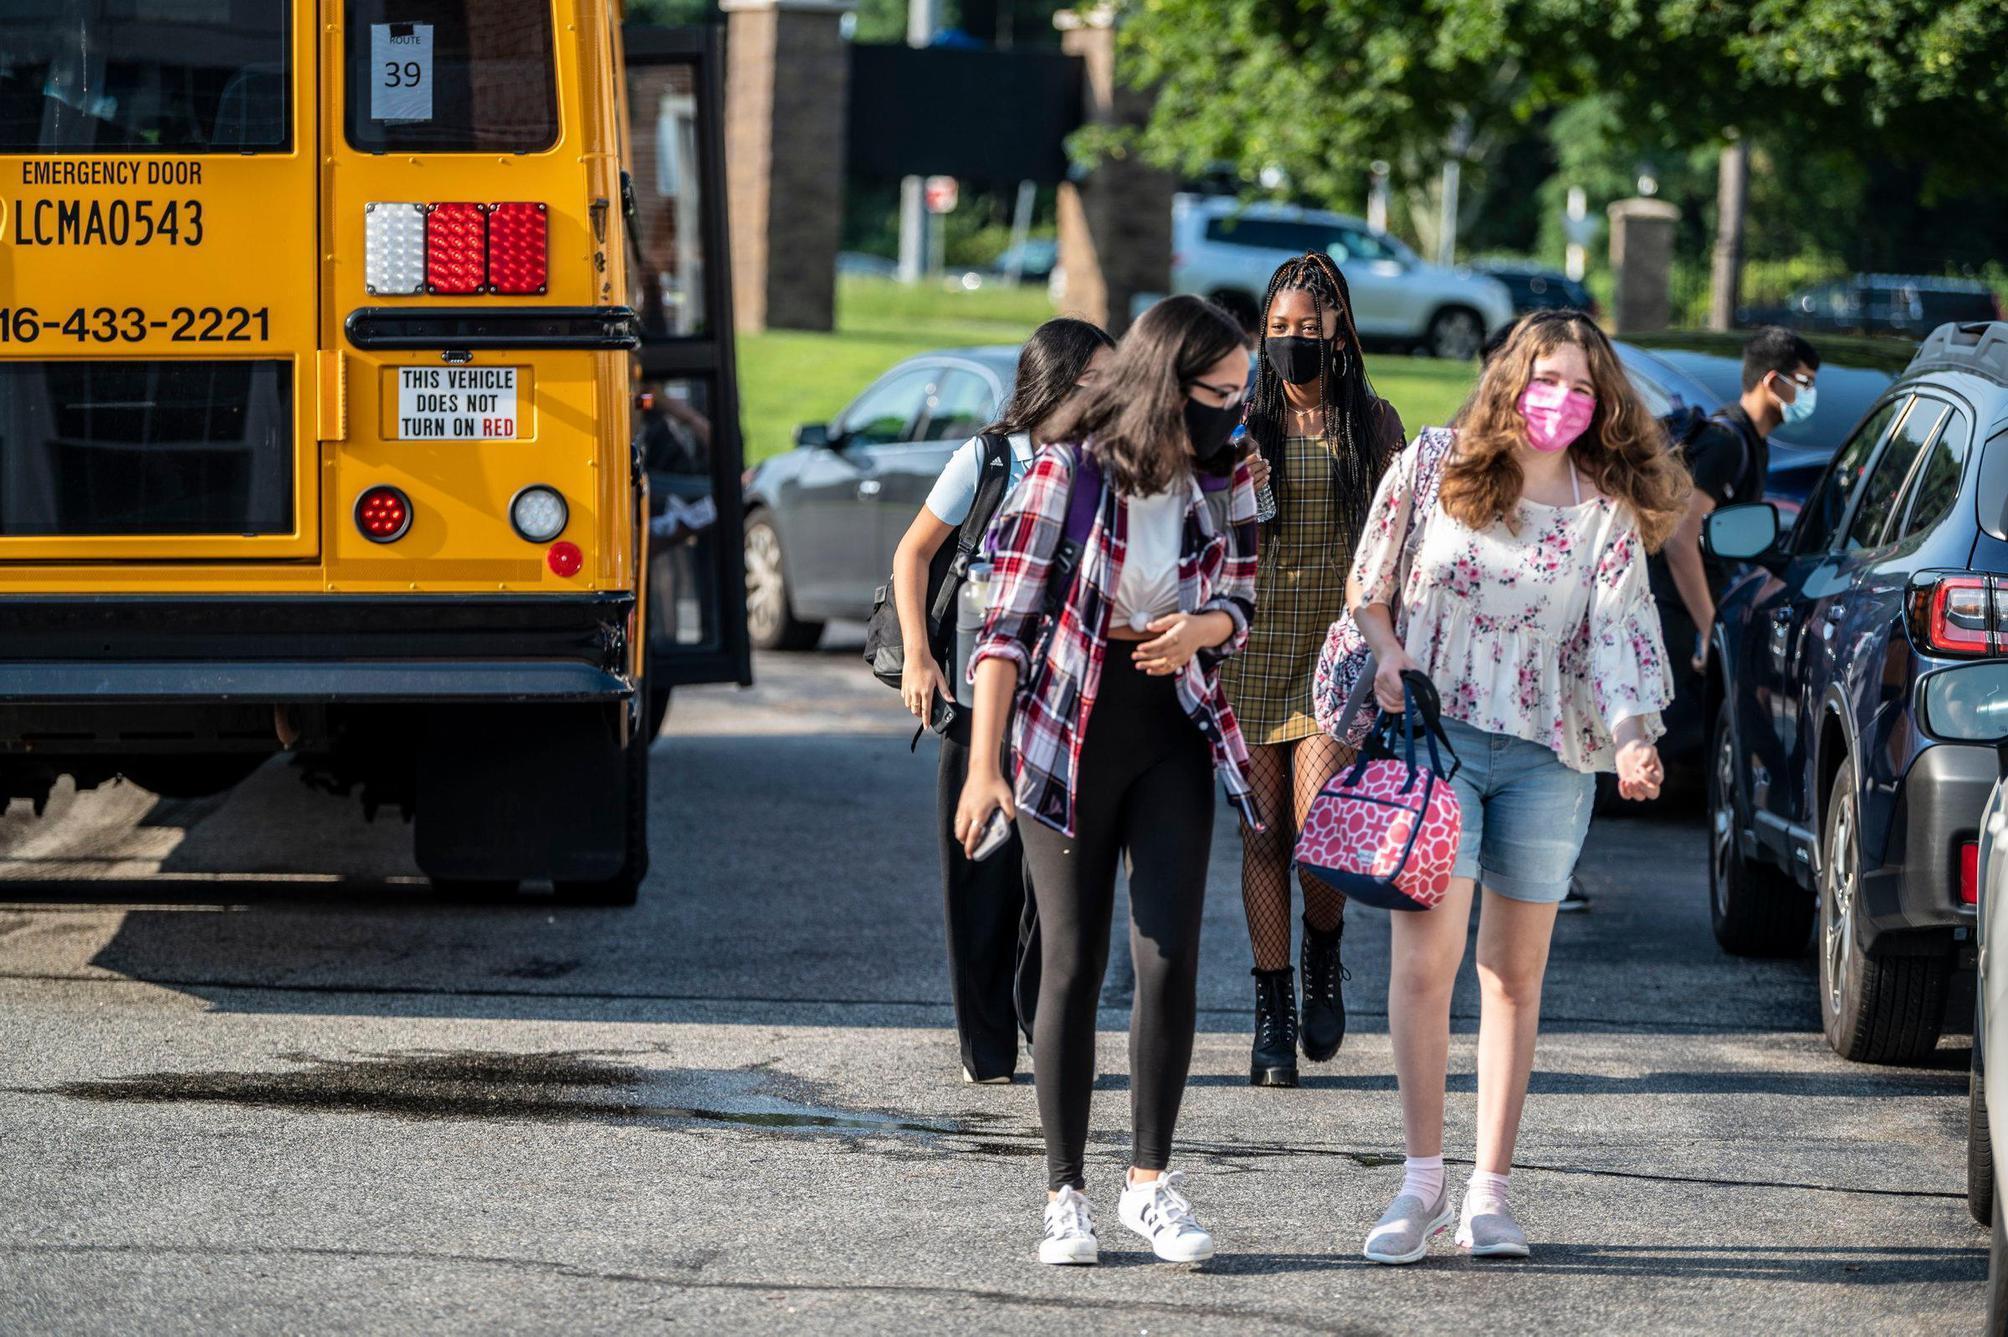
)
(494, 1084)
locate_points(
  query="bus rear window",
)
(451, 76)
(201, 76)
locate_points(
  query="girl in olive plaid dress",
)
(1325, 438)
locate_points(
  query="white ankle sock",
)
(1423, 1176)
(1485, 1194)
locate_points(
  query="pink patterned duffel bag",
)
(1385, 830)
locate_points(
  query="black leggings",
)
(1145, 788)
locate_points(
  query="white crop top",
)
(1148, 587)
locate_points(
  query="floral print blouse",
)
(1549, 634)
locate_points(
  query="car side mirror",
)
(1967, 703)
(1741, 533)
(812, 436)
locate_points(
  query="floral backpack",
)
(1345, 657)
(1385, 830)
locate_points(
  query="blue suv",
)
(1828, 809)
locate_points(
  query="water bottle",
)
(1265, 504)
(971, 605)
(1265, 500)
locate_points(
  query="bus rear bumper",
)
(328, 649)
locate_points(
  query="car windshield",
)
(1845, 395)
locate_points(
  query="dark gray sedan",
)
(822, 520)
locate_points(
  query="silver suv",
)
(1219, 245)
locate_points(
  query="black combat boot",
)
(1324, 996)
(1273, 1061)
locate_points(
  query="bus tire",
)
(624, 887)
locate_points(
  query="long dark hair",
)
(1133, 418)
(1049, 368)
(1352, 409)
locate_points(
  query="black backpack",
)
(1685, 425)
(885, 647)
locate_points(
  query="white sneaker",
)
(972, 1079)
(1159, 1212)
(1070, 1231)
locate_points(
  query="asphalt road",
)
(255, 1077)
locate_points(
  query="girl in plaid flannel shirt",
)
(1118, 728)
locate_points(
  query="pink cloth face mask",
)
(1555, 415)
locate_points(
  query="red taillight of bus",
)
(518, 248)
(565, 559)
(383, 514)
(1954, 615)
(456, 248)
(1969, 873)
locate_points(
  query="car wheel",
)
(1979, 1146)
(1875, 1009)
(1455, 333)
(1755, 910)
(770, 614)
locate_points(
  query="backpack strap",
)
(1084, 502)
(992, 478)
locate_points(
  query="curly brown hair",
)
(1624, 451)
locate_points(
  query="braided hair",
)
(1352, 409)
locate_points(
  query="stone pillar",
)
(787, 90)
(1642, 264)
(1115, 221)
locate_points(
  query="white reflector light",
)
(538, 514)
(393, 249)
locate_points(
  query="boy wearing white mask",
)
(1729, 459)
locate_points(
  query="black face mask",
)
(1297, 358)
(1211, 430)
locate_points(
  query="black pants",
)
(993, 946)
(1145, 789)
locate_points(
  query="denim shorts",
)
(1525, 813)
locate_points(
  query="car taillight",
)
(1956, 615)
(456, 248)
(518, 248)
(1969, 873)
(383, 514)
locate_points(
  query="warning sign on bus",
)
(456, 404)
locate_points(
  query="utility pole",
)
(913, 216)
(1731, 189)
(1377, 195)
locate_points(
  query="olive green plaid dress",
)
(1300, 590)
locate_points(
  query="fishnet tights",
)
(1265, 855)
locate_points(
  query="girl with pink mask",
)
(1520, 590)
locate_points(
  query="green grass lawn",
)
(787, 377)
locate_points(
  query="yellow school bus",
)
(321, 326)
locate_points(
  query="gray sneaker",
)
(1403, 1233)
(1492, 1235)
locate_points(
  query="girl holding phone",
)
(984, 901)
(1108, 678)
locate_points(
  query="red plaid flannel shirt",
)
(1056, 695)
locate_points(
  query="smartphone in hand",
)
(996, 832)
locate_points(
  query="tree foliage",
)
(1318, 89)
